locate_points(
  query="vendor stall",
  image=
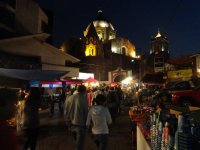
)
(166, 130)
(139, 117)
(91, 82)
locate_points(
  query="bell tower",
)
(159, 44)
(159, 52)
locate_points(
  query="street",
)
(55, 136)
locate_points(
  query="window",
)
(123, 50)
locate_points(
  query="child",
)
(100, 118)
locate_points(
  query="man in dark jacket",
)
(112, 103)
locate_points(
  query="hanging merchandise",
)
(184, 138)
(162, 132)
(169, 131)
(166, 135)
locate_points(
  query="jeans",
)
(101, 141)
(79, 133)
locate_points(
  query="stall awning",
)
(44, 75)
(89, 80)
(73, 81)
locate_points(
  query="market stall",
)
(166, 130)
(139, 117)
(91, 82)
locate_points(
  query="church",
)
(102, 52)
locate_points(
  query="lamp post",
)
(139, 76)
(139, 70)
(139, 73)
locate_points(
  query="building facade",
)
(24, 47)
(23, 17)
(7, 18)
(101, 50)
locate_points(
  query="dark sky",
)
(136, 20)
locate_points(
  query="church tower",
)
(91, 42)
(159, 44)
(159, 52)
(93, 46)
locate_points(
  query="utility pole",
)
(140, 65)
(121, 58)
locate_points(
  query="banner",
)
(186, 73)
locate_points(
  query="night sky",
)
(136, 20)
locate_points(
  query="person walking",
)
(31, 118)
(120, 96)
(52, 100)
(99, 117)
(112, 103)
(75, 113)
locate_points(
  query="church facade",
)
(101, 50)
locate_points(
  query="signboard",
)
(186, 73)
(83, 76)
(159, 69)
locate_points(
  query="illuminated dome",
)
(103, 27)
(101, 22)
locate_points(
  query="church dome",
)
(101, 22)
(103, 27)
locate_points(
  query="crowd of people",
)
(93, 109)
(84, 109)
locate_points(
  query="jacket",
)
(100, 117)
(76, 109)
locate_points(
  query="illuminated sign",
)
(187, 73)
(84, 76)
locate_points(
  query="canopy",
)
(32, 74)
(89, 80)
(73, 81)
(67, 81)
(112, 84)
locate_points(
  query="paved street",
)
(54, 135)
